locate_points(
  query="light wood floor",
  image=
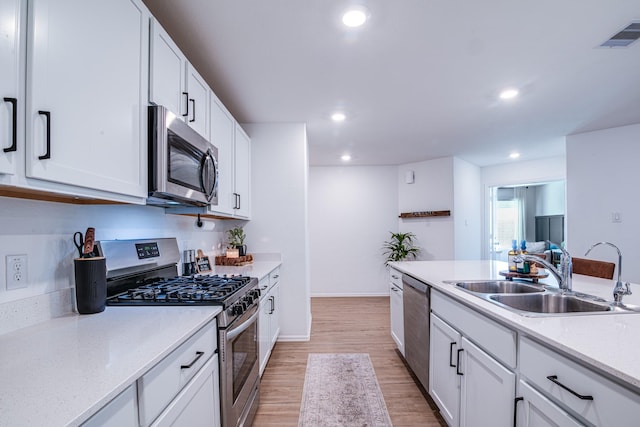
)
(343, 325)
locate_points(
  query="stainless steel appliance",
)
(183, 166)
(416, 306)
(144, 272)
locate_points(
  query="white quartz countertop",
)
(60, 372)
(259, 269)
(608, 342)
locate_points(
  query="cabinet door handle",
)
(14, 124)
(554, 379)
(47, 116)
(193, 113)
(273, 304)
(186, 98)
(515, 410)
(199, 354)
(458, 362)
(451, 354)
(394, 276)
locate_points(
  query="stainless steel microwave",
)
(183, 166)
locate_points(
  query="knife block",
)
(91, 284)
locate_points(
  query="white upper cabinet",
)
(175, 83)
(167, 72)
(87, 83)
(234, 163)
(12, 22)
(197, 114)
(242, 204)
(222, 136)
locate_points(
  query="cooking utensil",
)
(78, 240)
(89, 239)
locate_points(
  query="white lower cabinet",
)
(535, 410)
(444, 382)
(578, 390)
(396, 309)
(487, 389)
(160, 386)
(462, 376)
(269, 317)
(120, 412)
(198, 404)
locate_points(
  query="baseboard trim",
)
(334, 295)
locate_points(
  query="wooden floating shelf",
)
(424, 214)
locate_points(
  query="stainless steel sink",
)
(500, 287)
(551, 303)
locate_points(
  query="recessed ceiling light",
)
(345, 157)
(509, 93)
(354, 17)
(514, 155)
(338, 117)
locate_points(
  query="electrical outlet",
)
(16, 268)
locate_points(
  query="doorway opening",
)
(534, 213)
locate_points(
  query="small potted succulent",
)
(236, 238)
(400, 247)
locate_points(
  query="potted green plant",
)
(400, 247)
(236, 238)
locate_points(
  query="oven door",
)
(239, 370)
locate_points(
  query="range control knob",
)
(237, 309)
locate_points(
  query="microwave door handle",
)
(207, 189)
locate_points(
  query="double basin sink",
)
(530, 299)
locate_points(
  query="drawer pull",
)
(199, 354)
(554, 379)
(451, 354)
(458, 362)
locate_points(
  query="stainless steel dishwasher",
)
(416, 306)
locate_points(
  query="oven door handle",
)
(242, 327)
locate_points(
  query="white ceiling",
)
(420, 80)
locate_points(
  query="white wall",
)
(279, 181)
(602, 178)
(467, 192)
(352, 209)
(44, 232)
(550, 198)
(432, 191)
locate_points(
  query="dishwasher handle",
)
(416, 284)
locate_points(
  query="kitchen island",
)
(529, 355)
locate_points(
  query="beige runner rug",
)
(341, 390)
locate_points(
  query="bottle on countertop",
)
(523, 266)
(512, 255)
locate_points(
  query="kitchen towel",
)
(342, 390)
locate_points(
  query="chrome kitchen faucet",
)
(565, 272)
(619, 291)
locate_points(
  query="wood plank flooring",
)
(344, 325)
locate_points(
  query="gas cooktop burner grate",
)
(184, 290)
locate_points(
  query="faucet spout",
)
(563, 275)
(619, 290)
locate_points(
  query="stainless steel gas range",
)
(144, 272)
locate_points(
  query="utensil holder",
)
(91, 284)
